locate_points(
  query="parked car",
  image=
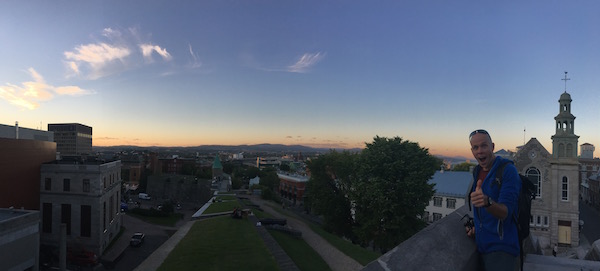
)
(144, 196)
(82, 257)
(137, 239)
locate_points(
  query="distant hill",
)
(270, 148)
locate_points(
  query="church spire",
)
(564, 141)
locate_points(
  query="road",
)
(591, 218)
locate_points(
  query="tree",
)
(391, 191)
(328, 189)
(284, 167)
(269, 179)
(463, 167)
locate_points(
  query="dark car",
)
(82, 257)
(137, 239)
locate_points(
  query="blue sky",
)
(317, 73)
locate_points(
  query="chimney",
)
(16, 130)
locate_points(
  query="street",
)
(591, 218)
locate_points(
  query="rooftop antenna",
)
(566, 79)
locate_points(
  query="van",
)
(144, 196)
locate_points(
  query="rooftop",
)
(451, 183)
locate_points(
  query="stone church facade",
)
(555, 211)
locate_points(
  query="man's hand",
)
(470, 232)
(477, 197)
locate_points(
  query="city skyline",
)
(325, 75)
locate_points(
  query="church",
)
(555, 210)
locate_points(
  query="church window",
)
(546, 221)
(538, 220)
(535, 177)
(531, 221)
(565, 189)
(561, 150)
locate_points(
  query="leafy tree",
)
(269, 179)
(328, 189)
(392, 191)
(284, 167)
(463, 166)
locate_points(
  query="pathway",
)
(336, 260)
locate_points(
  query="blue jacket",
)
(492, 234)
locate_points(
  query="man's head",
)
(482, 148)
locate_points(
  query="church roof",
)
(217, 162)
(451, 183)
(565, 96)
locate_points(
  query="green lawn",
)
(356, 252)
(223, 244)
(226, 197)
(219, 207)
(170, 220)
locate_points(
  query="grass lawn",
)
(219, 207)
(226, 197)
(356, 252)
(301, 253)
(170, 220)
(223, 244)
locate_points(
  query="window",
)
(546, 221)
(66, 184)
(47, 184)
(538, 220)
(104, 179)
(565, 189)
(437, 201)
(86, 185)
(531, 223)
(86, 220)
(47, 217)
(451, 203)
(437, 216)
(426, 216)
(111, 206)
(535, 177)
(104, 217)
(65, 216)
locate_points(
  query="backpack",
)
(523, 215)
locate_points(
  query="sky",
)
(330, 74)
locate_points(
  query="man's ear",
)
(493, 146)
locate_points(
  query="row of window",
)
(85, 216)
(536, 178)
(450, 203)
(539, 221)
(435, 217)
(85, 185)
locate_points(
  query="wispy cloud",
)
(116, 51)
(305, 62)
(195, 61)
(31, 93)
(148, 49)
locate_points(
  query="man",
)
(495, 231)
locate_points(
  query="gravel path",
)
(336, 260)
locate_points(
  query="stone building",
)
(84, 196)
(555, 211)
(19, 239)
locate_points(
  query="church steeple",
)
(564, 141)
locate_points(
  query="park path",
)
(336, 260)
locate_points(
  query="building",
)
(19, 239)
(292, 187)
(267, 162)
(20, 162)
(555, 210)
(72, 139)
(84, 196)
(587, 150)
(217, 168)
(16, 132)
(451, 187)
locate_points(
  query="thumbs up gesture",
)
(477, 196)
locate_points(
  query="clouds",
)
(305, 62)
(31, 93)
(118, 51)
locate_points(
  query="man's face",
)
(483, 150)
